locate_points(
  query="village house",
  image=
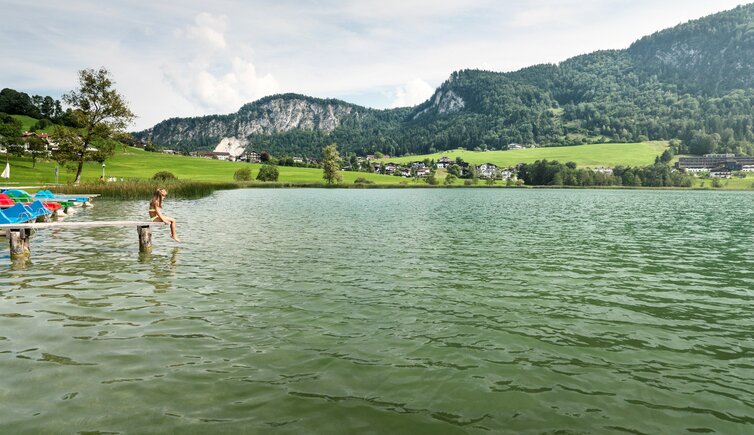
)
(487, 170)
(606, 171)
(390, 168)
(249, 156)
(443, 162)
(506, 174)
(515, 146)
(168, 151)
(222, 155)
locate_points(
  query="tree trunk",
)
(78, 172)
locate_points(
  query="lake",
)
(389, 311)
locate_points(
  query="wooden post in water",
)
(18, 238)
(145, 239)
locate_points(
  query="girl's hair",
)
(157, 198)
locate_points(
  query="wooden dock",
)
(19, 234)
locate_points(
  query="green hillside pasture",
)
(591, 156)
(139, 164)
(27, 122)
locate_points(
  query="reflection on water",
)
(411, 311)
(163, 269)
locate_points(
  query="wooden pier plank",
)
(91, 224)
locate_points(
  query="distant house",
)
(606, 171)
(747, 168)
(487, 170)
(443, 162)
(506, 174)
(423, 172)
(251, 157)
(370, 156)
(168, 151)
(515, 146)
(221, 155)
(390, 168)
(298, 160)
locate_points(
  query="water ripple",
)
(441, 311)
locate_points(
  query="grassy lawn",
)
(134, 163)
(732, 183)
(592, 156)
(138, 164)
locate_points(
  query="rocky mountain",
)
(693, 81)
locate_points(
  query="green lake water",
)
(389, 311)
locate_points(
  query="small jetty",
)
(19, 235)
(21, 214)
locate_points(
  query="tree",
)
(331, 164)
(10, 131)
(268, 173)
(243, 174)
(103, 115)
(37, 147)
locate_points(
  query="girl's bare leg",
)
(173, 235)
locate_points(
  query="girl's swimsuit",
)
(155, 216)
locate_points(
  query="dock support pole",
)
(145, 239)
(18, 238)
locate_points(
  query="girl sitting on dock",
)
(155, 212)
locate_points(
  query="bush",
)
(362, 180)
(449, 179)
(468, 182)
(164, 176)
(268, 173)
(716, 183)
(243, 174)
(432, 180)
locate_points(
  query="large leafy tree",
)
(331, 164)
(102, 114)
(10, 131)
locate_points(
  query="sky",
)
(182, 58)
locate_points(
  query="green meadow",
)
(134, 163)
(591, 156)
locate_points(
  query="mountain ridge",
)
(691, 82)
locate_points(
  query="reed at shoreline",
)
(141, 189)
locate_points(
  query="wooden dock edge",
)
(19, 234)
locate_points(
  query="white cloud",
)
(214, 77)
(414, 92)
(209, 31)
